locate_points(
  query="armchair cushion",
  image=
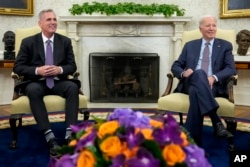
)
(228, 35)
(53, 103)
(179, 102)
(25, 32)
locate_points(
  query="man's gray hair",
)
(204, 17)
(40, 15)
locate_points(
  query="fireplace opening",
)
(124, 77)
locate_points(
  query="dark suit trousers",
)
(201, 102)
(67, 89)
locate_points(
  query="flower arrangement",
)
(129, 138)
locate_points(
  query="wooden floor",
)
(241, 111)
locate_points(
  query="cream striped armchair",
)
(20, 103)
(179, 102)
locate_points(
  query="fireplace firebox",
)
(124, 77)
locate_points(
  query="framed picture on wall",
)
(17, 7)
(234, 8)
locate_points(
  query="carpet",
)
(32, 148)
(242, 124)
(28, 119)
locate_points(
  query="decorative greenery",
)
(127, 7)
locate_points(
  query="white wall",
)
(193, 8)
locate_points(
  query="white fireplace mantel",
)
(125, 33)
(177, 22)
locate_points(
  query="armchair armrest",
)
(17, 78)
(169, 84)
(74, 76)
(232, 80)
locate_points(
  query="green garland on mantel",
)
(126, 8)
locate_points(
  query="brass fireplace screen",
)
(124, 77)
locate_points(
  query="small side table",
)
(7, 63)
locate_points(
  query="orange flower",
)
(112, 146)
(107, 128)
(185, 140)
(73, 143)
(147, 133)
(86, 159)
(129, 153)
(173, 154)
(155, 123)
(88, 131)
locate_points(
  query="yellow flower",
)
(112, 146)
(173, 154)
(107, 128)
(86, 159)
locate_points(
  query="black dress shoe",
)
(221, 131)
(53, 148)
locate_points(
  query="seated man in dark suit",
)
(203, 68)
(45, 60)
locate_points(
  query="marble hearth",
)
(125, 34)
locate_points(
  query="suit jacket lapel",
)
(55, 50)
(197, 49)
(216, 49)
(40, 47)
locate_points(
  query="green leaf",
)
(189, 138)
(66, 150)
(153, 147)
(126, 7)
(99, 120)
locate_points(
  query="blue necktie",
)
(49, 61)
(205, 58)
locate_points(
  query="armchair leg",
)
(181, 118)
(231, 144)
(85, 113)
(231, 124)
(14, 128)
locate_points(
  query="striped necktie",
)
(205, 58)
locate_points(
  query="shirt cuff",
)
(182, 74)
(61, 70)
(216, 79)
